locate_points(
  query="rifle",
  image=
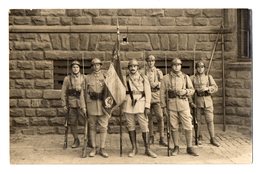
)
(167, 117)
(65, 144)
(84, 149)
(193, 105)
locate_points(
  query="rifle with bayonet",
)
(193, 104)
(84, 149)
(65, 144)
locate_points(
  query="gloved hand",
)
(165, 112)
(84, 112)
(146, 112)
(193, 105)
(181, 92)
(65, 109)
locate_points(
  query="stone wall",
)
(38, 37)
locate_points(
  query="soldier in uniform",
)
(137, 106)
(72, 101)
(204, 86)
(94, 90)
(155, 76)
(175, 89)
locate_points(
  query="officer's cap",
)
(75, 62)
(200, 64)
(133, 62)
(150, 58)
(176, 61)
(96, 61)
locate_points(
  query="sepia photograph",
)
(130, 86)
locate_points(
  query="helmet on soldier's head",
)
(75, 62)
(150, 58)
(176, 61)
(96, 61)
(133, 62)
(200, 64)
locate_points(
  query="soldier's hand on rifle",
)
(165, 112)
(146, 111)
(84, 111)
(65, 109)
(193, 105)
(181, 92)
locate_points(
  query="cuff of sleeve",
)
(147, 105)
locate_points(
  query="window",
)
(244, 34)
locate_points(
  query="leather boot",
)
(132, 136)
(93, 152)
(214, 142)
(191, 151)
(76, 143)
(175, 151)
(148, 151)
(103, 153)
(162, 142)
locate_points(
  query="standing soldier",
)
(72, 101)
(204, 86)
(175, 89)
(137, 105)
(94, 90)
(155, 76)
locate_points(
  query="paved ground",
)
(235, 148)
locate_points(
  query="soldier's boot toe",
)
(175, 151)
(133, 152)
(76, 143)
(214, 142)
(162, 142)
(150, 153)
(191, 151)
(103, 153)
(93, 152)
(151, 139)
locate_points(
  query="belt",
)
(202, 94)
(155, 89)
(136, 92)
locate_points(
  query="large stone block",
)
(243, 93)
(167, 21)
(155, 41)
(44, 83)
(17, 93)
(21, 121)
(101, 20)
(48, 74)
(40, 103)
(38, 20)
(22, 45)
(65, 41)
(73, 12)
(93, 41)
(232, 101)
(41, 46)
(46, 112)
(125, 12)
(57, 121)
(26, 84)
(134, 21)
(183, 21)
(234, 83)
(26, 103)
(244, 75)
(16, 74)
(56, 41)
(149, 21)
(105, 46)
(44, 65)
(141, 46)
(66, 20)
(91, 12)
(53, 20)
(25, 64)
(34, 74)
(200, 21)
(22, 20)
(107, 12)
(82, 20)
(13, 103)
(53, 12)
(215, 21)
(17, 12)
(46, 130)
(29, 131)
(212, 12)
(164, 40)
(74, 42)
(30, 112)
(34, 93)
(138, 38)
(16, 55)
(52, 94)
(39, 121)
(174, 12)
(182, 42)
(244, 111)
(28, 37)
(16, 112)
(193, 12)
(34, 55)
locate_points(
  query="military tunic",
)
(204, 103)
(178, 106)
(141, 90)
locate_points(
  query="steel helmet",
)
(75, 62)
(176, 61)
(150, 58)
(200, 64)
(96, 61)
(133, 62)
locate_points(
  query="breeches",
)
(183, 116)
(101, 121)
(142, 120)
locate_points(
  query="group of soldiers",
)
(147, 92)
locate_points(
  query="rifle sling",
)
(130, 91)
